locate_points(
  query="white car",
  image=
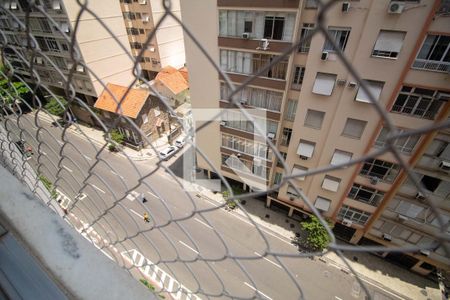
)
(180, 143)
(167, 153)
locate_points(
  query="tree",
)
(56, 108)
(11, 91)
(117, 137)
(317, 236)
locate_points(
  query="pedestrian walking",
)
(146, 218)
(143, 198)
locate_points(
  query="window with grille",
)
(419, 102)
(306, 43)
(297, 78)
(277, 178)
(284, 155)
(340, 36)
(434, 54)
(388, 44)
(354, 128)
(405, 144)
(381, 169)
(314, 118)
(353, 214)
(286, 136)
(365, 194)
(256, 97)
(291, 109)
(246, 146)
(52, 44)
(273, 27)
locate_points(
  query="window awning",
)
(375, 87)
(389, 41)
(305, 149)
(340, 157)
(324, 84)
(330, 184)
(297, 170)
(322, 204)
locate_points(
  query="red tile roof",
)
(172, 79)
(184, 72)
(130, 106)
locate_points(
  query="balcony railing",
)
(438, 66)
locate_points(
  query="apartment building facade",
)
(95, 50)
(166, 48)
(317, 114)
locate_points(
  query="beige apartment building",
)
(98, 49)
(166, 48)
(317, 115)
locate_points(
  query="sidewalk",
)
(370, 268)
(97, 137)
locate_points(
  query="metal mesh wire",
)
(99, 207)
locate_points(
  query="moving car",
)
(167, 152)
(180, 143)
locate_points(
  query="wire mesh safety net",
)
(190, 246)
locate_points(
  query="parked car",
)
(24, 148)
(167, 153)
(180, 143)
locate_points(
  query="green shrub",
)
(112, 148)
(117, 137)
(56, 108)
(10, 90)
(48, 185)
(317, 237)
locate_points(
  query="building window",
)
(306, 43)
(291, 192)
(388, 44)
(297, 170)
(365, 194)
(331, 183)
(291, 109)
(355, 215)
(438, 148)
(284, 155)
(256, 97)
(408, 209)
(311, 4)
(383, 170)
(235, 119)
(305, 149)
(286, 136)
(340, 157)
(251, 63)
(314, 118)
(340, 37)
(419, 102)
(248, 26)
(297, 79)
(375, 88)
(322, 204)
(430, 183)
(324, 84)
(273, 27)
(277, 178)
(354, 128)
(434, 54)
(145, 118)
(405, 144)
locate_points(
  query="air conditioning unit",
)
(374, 180)
(443, 96)
(39, 60)
(347, 222)
(324, 55)
(151, 49)
(444, 165)
(345, 7)
(396, 7)
(271, 135)
(425, 252)
(420, 196)
(352, 84)
(223, 123)
(341, 82)
(56, 5)
(80, 68)
(13, 5)
(387, 237)
(246, 35)
(263, 44)
(402, 218)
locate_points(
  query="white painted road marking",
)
(152, 194)
(134, 212)
(97, 188)
(259, 292)
(189, 247)
(87, 157)
(203, 223)
(265, 258)
(44, 153)
(133, 195)
(117, 174)
(67, 169)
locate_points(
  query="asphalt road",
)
(213, 252)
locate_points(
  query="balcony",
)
(436, 66)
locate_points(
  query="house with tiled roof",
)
(173, 85)
(147, 112)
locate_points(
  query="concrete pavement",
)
(191, 239)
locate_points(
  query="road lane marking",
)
(265, 258)
(61, 143)
(137, 214)
(259, 292)
(117, 174)
(97, 188)
(201, 222)
(87, 157)
(383, 289)
(67, 169)
(189, 247)
(153, 194)
(44, 153)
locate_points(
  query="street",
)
(190, 246)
